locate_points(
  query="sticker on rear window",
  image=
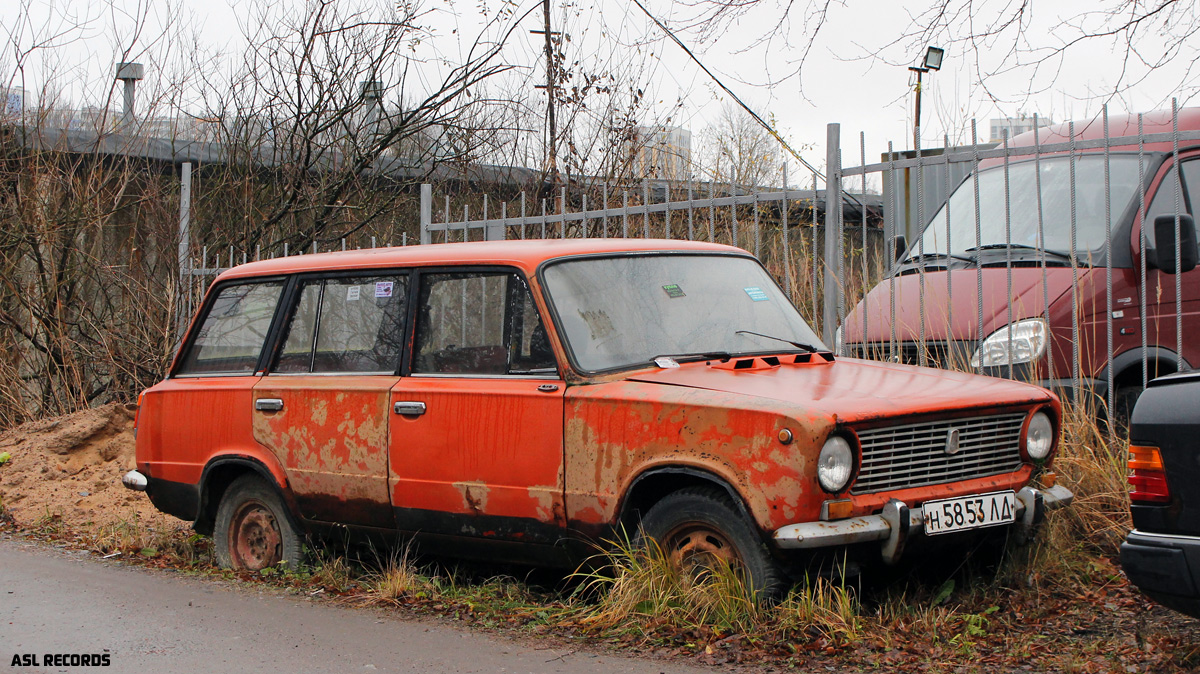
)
(353, 293)
(383, 289)
(673, 290)
(756, 294)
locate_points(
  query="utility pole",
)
(552, 144)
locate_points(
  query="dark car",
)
(1162, 553)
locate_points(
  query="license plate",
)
(970, 512)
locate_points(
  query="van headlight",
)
(1039, 436)
(1020, 342)
(835, 464)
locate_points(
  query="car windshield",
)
(625, 311)
(1022, 214)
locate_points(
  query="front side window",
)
(481, 323)
(346, 325)
(232, 333)
(625, 311)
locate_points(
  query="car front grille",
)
(915, 455)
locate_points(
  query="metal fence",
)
(1037, 267)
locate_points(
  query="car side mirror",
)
(899, 245)
(1163, 255)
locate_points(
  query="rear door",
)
(476, 428)
(1160, 287)
(323, 407)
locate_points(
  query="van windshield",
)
(626, 311)
(1023, 207)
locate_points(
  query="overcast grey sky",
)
(849, 75)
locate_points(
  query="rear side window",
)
(346, 325)
(233, 331)
(480, 323)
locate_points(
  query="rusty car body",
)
(521, 399)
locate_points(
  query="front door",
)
(323, 407)
(476, 429)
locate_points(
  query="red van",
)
(514, 400)
(1003, 301)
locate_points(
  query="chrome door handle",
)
(268, 404)
(409, 408)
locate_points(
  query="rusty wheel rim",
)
(255, 541)
(698, 546)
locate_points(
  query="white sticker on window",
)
(352, 293)
(383, 288)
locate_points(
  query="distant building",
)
(662, 152)
(12, 103)
(1014, 125)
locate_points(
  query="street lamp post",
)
(933, 61)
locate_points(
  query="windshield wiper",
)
(799, 345)
(935, 256)
(689, 357)
(1057, 254)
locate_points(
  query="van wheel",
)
(1124, 398)
(698, 525)
(253, 530)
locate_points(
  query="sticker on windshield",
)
(673, 290)
(352, 293)
(383, 289)
(756, 294)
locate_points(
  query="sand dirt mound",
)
(71, 466)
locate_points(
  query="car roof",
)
(523, 254)
(1156, 121)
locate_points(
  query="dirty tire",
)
(253, 528)
(701, 521)
(1124, 399)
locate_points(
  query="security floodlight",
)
(933, 58)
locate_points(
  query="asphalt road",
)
(57, 602)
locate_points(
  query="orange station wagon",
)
(521, 400)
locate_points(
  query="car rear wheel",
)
(698, 526)
(253, 530)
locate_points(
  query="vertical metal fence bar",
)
(523, 214)
(889, 246)
(484, 222)
(691, 212)
(922, 352)
(862, 161)
(1041, 243)
(978, 253)
(833, 185)
(841, 253)
(583, 234)
(1142, 251)
(1075, 388)
(543, 218)
(733, 231)
(625, 215)
(950, 336)
(446, 215)
(1108, 278)
(712, 218)
(466, 218)
(504, 217)
(667, 212)
(787, 243)
(604, 220)
(757, 231)
(562, 213)
(1178, 249)
(645, 208)
(258, 250)
(1008, 249)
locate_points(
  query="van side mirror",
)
(1163, 255)
(899, 245)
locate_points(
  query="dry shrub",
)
(822, 606)
(398, 579)
(639, 583)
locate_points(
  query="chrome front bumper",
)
(897, 522)
(135, 481)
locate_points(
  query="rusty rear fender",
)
(223, 469)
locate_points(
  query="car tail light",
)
(1146, 476)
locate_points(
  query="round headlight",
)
(835, 464)
(1039, 437)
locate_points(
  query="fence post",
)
(426, 212)
(183, 300)
(833, 230)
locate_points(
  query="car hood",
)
(852, 390)
(953, 312)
